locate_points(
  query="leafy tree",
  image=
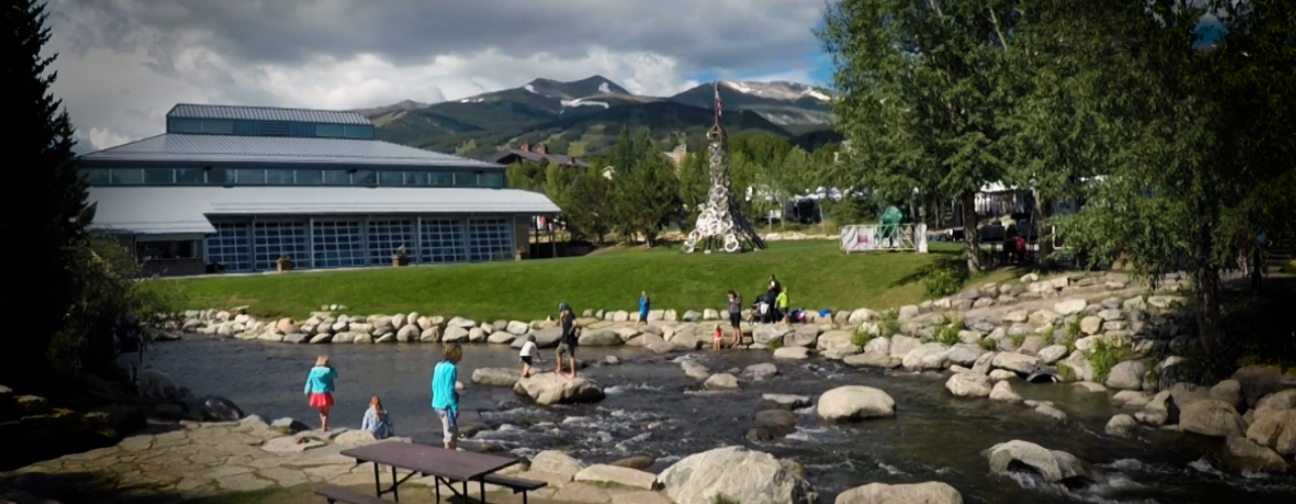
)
(527, 175)
(53, 213)
(694, 183)
(918, 97)
(587, 205)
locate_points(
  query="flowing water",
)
(653, 409)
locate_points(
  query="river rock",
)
(854, 402)
(1229, 391)
(709, 314)
(501, 338)
(641, 463)
(1052, 354)
(878, 345)
(721, 381)
(927, 356)
(759, 372)
(1210, 417)
(550, 388)
(765, 334)
(1042, 318)
(477, 335)
(1127, 375)
(1275, 429)
(964, 354)
(772, 424)
(788, 401)
(1278, 401)
(802, 336)
(496, 377)
(1121, 425)
(557, 463)
(968, 385)
(694, 370)
(1260, 381)
(430, 335)
(998, 375)
(832, 339)
(456, 334)
(1002, 391)
(1132, 399)
(862, 315)
(408, 333)
(1069, 306)
(792, 353)
(461, 322)
(869, 359)
(1052, 465)
(1019, 363)
(1243, 454)
(901, 345)
(610, 474)
(1187, 393)
(1079, 364)
(600, 338)
(982, 364)
(544, 338)
(736, 474)
(932, 492)
(297, 337)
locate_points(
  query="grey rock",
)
(854, 402)
(788, 401)
(721, 381)
(968, 385)
(739, 474)
(550, 388)
(1121, 425)
(1127, 375)
(1210, 417)
(496, 377)
(1053, 465)
(1002, 391)
(931, 492)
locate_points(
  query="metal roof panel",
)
(239, 112)
(182, 148)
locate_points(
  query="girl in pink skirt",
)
(319, 386)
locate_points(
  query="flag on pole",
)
(718, 104)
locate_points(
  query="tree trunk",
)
(1206, 291)
(971, 238)
(1043, 224)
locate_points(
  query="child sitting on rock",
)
(377, 421)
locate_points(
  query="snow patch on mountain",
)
(789, 91)
(603, 88)
(530, 88)
(581, 102)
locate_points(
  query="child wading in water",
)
(319, 386)
(376, 420)
(529, 351)
(444, 398)
(715, 340)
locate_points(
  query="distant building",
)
(230, 188)
(536, 154)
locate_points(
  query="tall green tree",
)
(588, 205)
(918, 96)
(53, 214)
(694, 184)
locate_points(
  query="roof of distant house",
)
(240, 112)
(536, 154)
(176, 147)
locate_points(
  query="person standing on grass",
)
(529, 351)
(567, 343)
(319, 387)
(445, 400)
(735, 316)
(643, 309)
(781, 304)
(774, 285)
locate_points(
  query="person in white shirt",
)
(529, 352)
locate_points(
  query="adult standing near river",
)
(735, 316)
(774, 285)
(319, 386)
(445, 400)
(567, 342)
(643, 309)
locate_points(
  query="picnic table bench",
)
(446, 466)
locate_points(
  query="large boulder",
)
(964, 354)
(461, 322)
(792, 353)
(1079, 364)
(1275, 429)
(496, 377)
(772, 424)
(854, 402)
(1121, 425)
(1243, 454)
(544, 338)
(1260, 381)
(1002, 391)
(868, 359)
(694, 370)
(1011, 361)
(735, 474)
(768, 333)
(216, 409)
(613, 475)
(1052, 465)
(1052, 354)
(878, 345)
(721, 381)
(1127, 375)
(1277, 401)
(834, 339)
(802, 336)
(928, 356)
(931, 492)
(1229, 391)
(901, 345)
(969, 385)
(1069, 306)
(456, 334)
(408, 333)
(759, 372)
(556, 463)
(550, 388)
(1210, 417)
(789, 401)
(599, 338)
(496, 338)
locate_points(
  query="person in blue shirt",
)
(643, 309)
(319, 387)
(445, 400)
(376, 420)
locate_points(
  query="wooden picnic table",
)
(447, 466)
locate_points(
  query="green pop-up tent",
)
(889, 226)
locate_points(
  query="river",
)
(653, 409)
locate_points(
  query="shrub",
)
(948, 334)
(1103, 357)
(1018, 339)
(1048, 337)
(723, 499)
(888, 328)
(988, 344)
(861, 338)
(775, 345)
(1071, 335)
(1065, 373)
(942, 282)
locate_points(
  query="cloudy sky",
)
(123, 63)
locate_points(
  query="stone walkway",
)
(208, 462)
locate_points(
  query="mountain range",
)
(582, 118)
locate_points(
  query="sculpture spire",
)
(721, 225)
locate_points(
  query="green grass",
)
(816, 274)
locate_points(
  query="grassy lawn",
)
(816, 274)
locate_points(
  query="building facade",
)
(234, 189)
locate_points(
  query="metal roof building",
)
(257, 188)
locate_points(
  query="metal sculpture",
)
(721, 225)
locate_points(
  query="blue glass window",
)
(391, 178)
(492, 180)
(337, 177)
(359, 131)
(185, 126)
(416, 178)
(97, 177)
(251, 177)
(220, 176)
(127, 176)
(159, 176)
(189, 176)
(279, 177)
(218, 126)
(364, 177)
(328, 130)
(441, 179)
(310, 177)
(465, 179)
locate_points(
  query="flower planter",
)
(398, 261)
(282, 266)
